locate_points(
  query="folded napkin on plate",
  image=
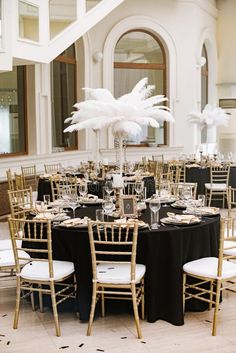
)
(180, 218)
(45, 215)
(90, 198)
(203, 210)
(129, 220)
(75, 222)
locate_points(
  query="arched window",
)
(63, 97)
(204, 89)
(13, 127)
(139, 54)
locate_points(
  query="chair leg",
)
(32, 300)
(142, 300)
(135, 308)
(184, 283)
(17, 309)
(210, 196)
(218, 286)
(54, 309)
(211, 295)
(103, 304)
(41, 300)
(92, 310)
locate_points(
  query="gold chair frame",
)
(21, 202)
(30, 178)
(211, 295)
(219, 175)
(52, 168)
(113, 237)
(38, 232)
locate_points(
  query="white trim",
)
(153, 26)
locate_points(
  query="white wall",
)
(183, 25)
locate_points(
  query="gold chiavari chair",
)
(230, 237)
(231, 200)
(21, 202)
(41, 273)
(30, 178)
(115, 272)
(217, 272)
(10, 180)
(19, 182)
(52, 168)
(66, 185)
(178, 189)
(158, 158)
(218, 185)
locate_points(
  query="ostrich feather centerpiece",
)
(125, 115)
(210, 118)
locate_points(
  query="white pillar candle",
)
(118, 181)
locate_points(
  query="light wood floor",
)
(114, 333)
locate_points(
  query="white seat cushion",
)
(38, 270)
(216, 187)
(7, 245)
(207, 267)
(7, 257)
(230, 244)
(118, 273)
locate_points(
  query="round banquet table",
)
(163, 251)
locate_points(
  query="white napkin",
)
(180, 218)
(75, 222)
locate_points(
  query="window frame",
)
(26, 151)
(151, 66)
(66, 59)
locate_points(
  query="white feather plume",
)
(210, 116)
(127, 113)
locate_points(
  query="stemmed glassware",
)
(138, 187)
(165, 192)
(155, 205)
(83, 191)
(73, 201)
(108, 187)
(107, 205)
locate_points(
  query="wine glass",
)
(73, 201)
(107, 205)
(83, 191)
(165, 192)
(155, 205)
(138, 187)
(108, 187)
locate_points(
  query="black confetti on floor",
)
(8, 342)
(4, 315)
(81, 345)
(2, 335)
(143, 342)
(64, 347)
(100, 350)
(123, 338)
(208, 321)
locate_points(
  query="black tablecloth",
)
(163, 251)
